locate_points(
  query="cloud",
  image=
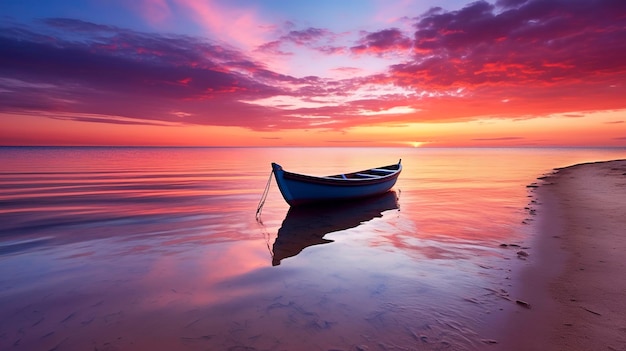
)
(274, 48)
(568, 52)
(238, 25)
(498, 139)
(514, 59)
(510, 3)
(365, 142)
(378, 43)
(539, 42)
(117, 72)
(384, 41)
(78, 26)
(109, 120)
(318, 39)
(306, 36)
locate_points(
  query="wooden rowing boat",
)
(300, 189)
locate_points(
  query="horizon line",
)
(314, 146)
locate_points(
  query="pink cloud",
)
(239, 26)
(273, 48)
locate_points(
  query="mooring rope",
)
(267, 236)
(262, 202)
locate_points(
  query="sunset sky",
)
(313, 73)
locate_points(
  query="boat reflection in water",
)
(306, 226)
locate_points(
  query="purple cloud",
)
(387, 40)
(306, 36)
(314, 38)
(112, 71)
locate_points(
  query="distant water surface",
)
(158, 248)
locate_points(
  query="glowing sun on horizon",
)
(416, 143)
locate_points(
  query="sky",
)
(430, 73)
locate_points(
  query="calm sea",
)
(159, 249)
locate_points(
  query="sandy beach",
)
(574, 282)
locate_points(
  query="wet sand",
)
(574, 282)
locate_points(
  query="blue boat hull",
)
(298, 189)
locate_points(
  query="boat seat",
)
(383, 170)
(340, 176)
(367, 175)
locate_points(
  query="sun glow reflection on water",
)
(157, 248)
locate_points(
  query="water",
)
(158, 248)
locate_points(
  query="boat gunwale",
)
(330, 180)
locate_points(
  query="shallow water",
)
(158, 248)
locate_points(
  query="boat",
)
(306, 226)
(300, 189)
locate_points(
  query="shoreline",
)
(574, 281)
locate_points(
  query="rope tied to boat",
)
(264, 196)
